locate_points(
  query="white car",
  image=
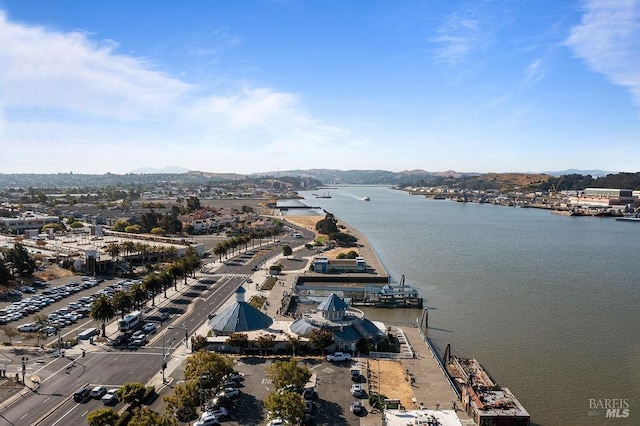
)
(29, 327)
(229, 393)
(339, 356)
(149, 328)
(356, 390)
(207, 420)
(110, 398)
(98, 392)
(219, 412)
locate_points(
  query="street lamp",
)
(24, 368)
(164, 356)
(186, 334)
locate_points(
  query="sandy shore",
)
(364, 247)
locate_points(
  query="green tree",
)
(5, 273)
(210, 366)
(102, 310)
(120, 225)
(20, 260)
(138, 295)
(122, 302)
(321, 338)
(286, 405)
(166, 279)
(184, 399)
(286, 250)
(193, 204)
(143, 416)
(102, 417)
(266, 342)
(293, 344)
(152, 283)
(238, 340)
(198, 342)
(131, 393)
(327, 225)
(10, 331)
(283, 373)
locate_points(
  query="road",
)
(52, 403)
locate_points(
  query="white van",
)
(88, 333)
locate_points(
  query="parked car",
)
(356, 390)
(308, 394)
(98, 392)
(308, 406)
(219, 412)
(110, 398)
(229, 393)
(338, 357)
(82, 395)
(356, 407)
(207, 420)
(149, 328)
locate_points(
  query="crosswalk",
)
(219, 275)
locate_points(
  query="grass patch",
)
(257, 301)
(269, 283)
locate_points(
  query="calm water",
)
(549, 304)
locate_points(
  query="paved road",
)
(110, 367)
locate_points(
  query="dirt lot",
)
(392, 378)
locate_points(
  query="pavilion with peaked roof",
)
(348, 325)
(240, 317)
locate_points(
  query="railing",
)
(434, 353)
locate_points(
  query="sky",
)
(270, 85)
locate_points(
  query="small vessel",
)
(366, 199)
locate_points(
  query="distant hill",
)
(359, 177)
(594, 173)
(156, 171)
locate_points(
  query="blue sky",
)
(253, 86)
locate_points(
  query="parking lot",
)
(332, 392)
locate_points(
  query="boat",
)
(366, 199)
(325, 195)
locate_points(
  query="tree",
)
(5, 273)
(102, 417)
(198, 342)
(210, 366)
(327, 225)
(266, 342)
(122, 302)
(131, 393)
(166, 279)
(239, 340)
(138, 295)
(193, 204)
(183, 400)
(293, 344)
(286, 405)
(152, 283)
(283, 373)
(286, 250)
(21, 261)
(10, 331)
(102, 310)
(143, 416)
(321, 338)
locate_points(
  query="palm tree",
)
(129, 247)
(102, 310)
(167, 280)
(138, 295)
(152, 283)
(175, 270)
(122, 302)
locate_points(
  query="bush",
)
(124, 419)
(149, 392)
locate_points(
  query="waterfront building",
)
(324, 265)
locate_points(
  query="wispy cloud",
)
(64, 91)
(460, 35)
(608, 40)
(535, 72)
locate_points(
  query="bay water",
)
(548, 304)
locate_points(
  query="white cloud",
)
(64, 92)
(460, 36)
(608, 39)
(535, 72)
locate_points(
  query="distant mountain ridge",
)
(156, 171)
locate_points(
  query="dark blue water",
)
(549, 304)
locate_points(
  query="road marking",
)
(64, 415)
(24, 416)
